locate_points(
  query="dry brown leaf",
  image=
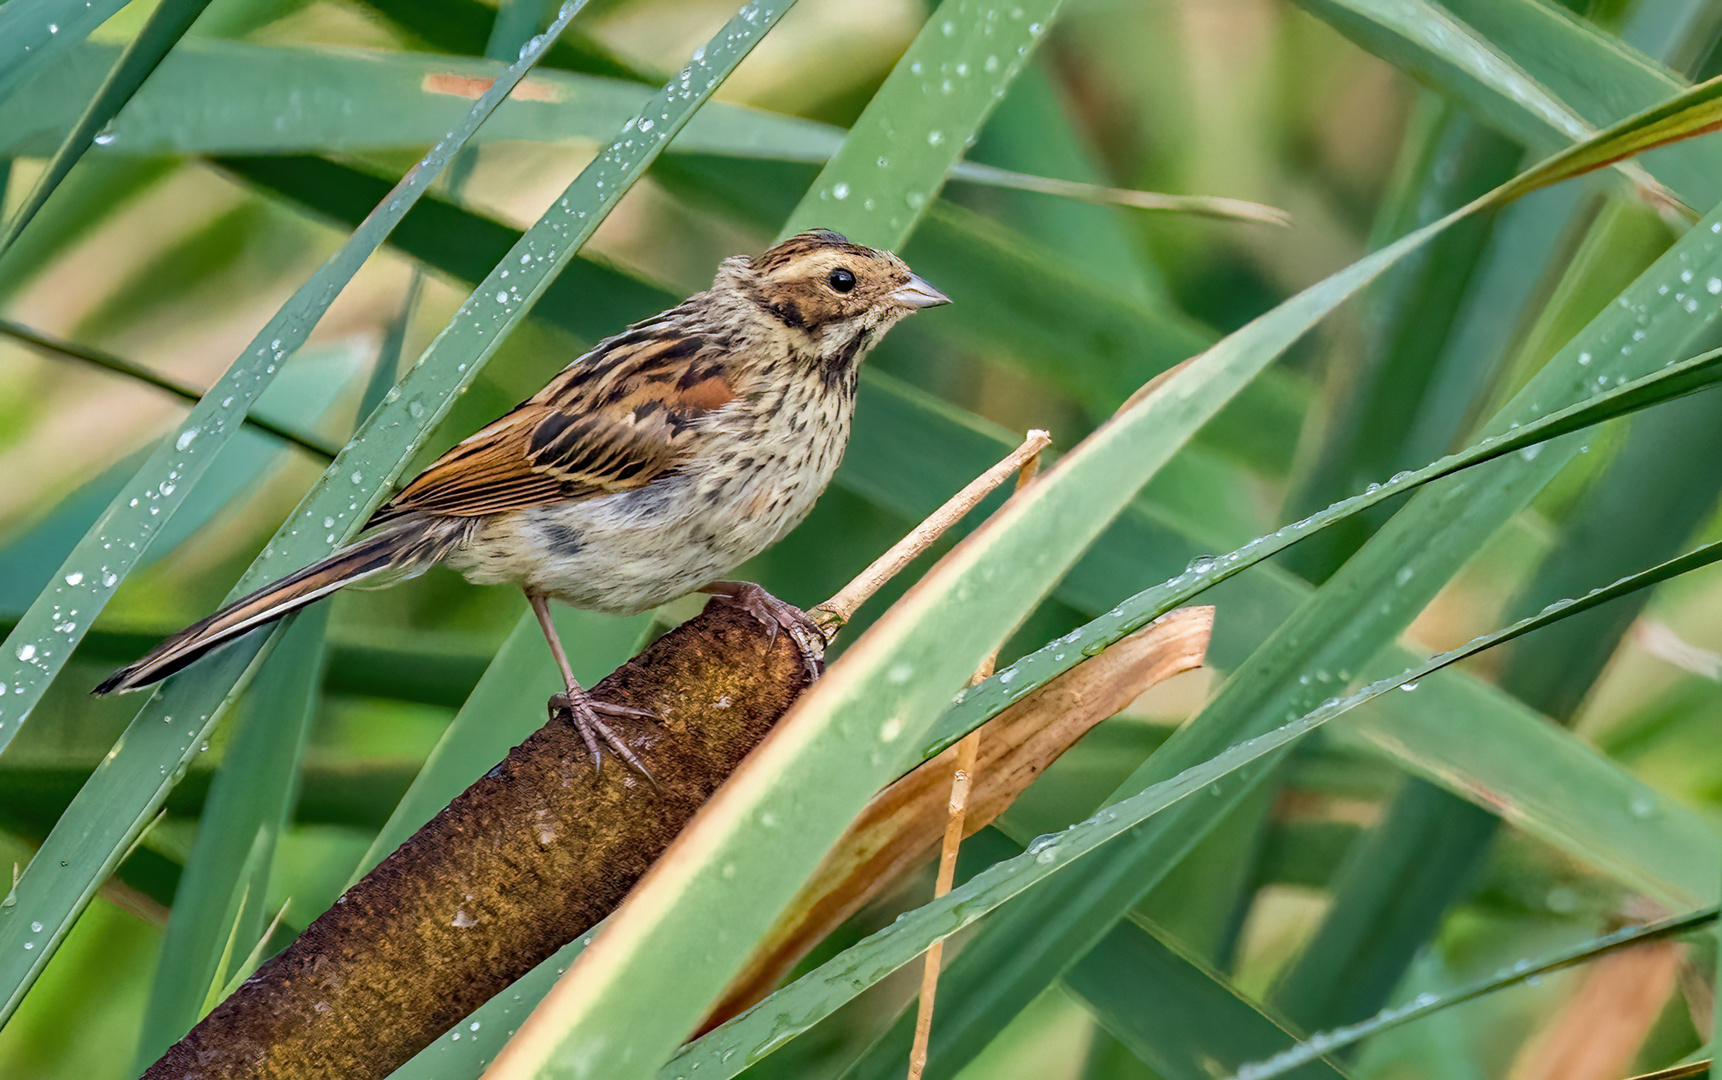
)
(1598, 1031)
(901, 828)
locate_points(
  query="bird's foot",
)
(583, 710)
(777, 615)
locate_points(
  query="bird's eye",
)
(841, 280)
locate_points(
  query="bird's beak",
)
(916, 294)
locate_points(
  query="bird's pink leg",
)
(579, 703)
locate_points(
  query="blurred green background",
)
(1346, 882)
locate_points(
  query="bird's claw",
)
(584, 711)
(780, 615)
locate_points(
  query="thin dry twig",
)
(968, 750)
(835, 612)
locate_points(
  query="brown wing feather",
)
(616, 419)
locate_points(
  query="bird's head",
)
(837, 298)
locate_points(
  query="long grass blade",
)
(270, 108)
(1595, 75)
(1692, 112)
(974, 172)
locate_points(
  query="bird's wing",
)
(616, 419)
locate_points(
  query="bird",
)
(645, 470)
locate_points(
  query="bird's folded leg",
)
(776, 614)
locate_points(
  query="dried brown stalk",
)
(968, 748)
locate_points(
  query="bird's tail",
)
(402, 550)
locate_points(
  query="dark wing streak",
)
(613, 421)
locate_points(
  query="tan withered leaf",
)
(1599, 1030)
(901, 828)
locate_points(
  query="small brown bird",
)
(645, 470)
